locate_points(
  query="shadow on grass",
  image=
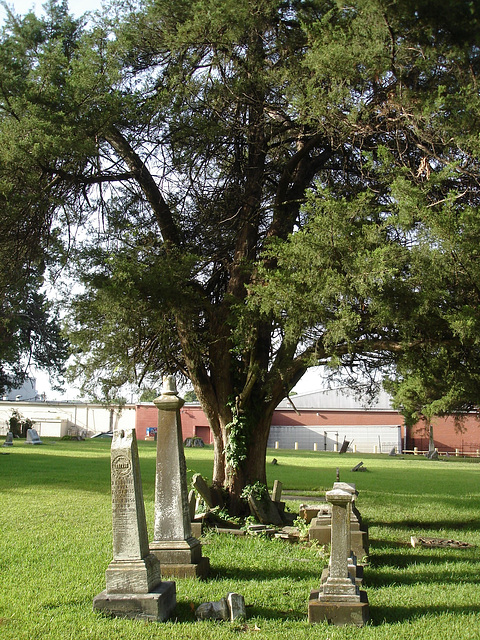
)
(227, 572)
(412, 526)
(394, 614)
(407, 566)
(87, 473)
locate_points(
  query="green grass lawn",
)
(55, 519)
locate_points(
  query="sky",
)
(77, 7)
(310, 382)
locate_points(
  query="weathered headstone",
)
(230, 608)
(134, 588)
(344, 447)
(309, 511)
(33, 437)
(179, 553)
(236, 606)
(203, 489)
(358, 467)
(339, 600)
(277, 491)
(192, 500)
(213, 610)
(8, 440)
(193, 442)
(264, 509)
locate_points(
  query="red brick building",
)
(324, 420)
(194, 422)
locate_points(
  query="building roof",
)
(340, 398)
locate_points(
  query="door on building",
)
(203, 433)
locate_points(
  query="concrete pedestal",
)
(199, 569)
(339, 600)
(338, 613)
(155, 606)
(181, 558)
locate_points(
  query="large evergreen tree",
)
(201, 135)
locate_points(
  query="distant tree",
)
(19, 425)
(190, 396)
(29, 325)
(148, 395)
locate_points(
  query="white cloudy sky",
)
(77, 7)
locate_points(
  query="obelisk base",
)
(155, 606)
(181, 558)
(133, 576)
(338, 613)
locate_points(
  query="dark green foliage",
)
(19, 425)
(261, 186)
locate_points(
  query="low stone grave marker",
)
(203, 489)
(359, 467)
(422, 541)
(277, 491)
(230, 608)
(33, 437)
(264, 509)
(196, 441)
(309, 511)
(8, 440)
(344, 447)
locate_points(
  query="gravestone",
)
(33, 437)
(192, 500)
(203, 489)
(339, 600)
(310, 511)
(264, 509)
(320, 528)
(134, 588)
(8, 440)
(230, 608)
(344, 447)
(179, 553)
(213, 610)
(277, 491)
(236, 606)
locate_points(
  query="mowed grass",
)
(55, 520)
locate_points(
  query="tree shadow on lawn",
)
(294, 573)
(414, 525)
(432, 566)
(89, 473)
(397, 613)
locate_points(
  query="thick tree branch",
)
(148, 185)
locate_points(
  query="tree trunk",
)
(431, 441)
(251, 469)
